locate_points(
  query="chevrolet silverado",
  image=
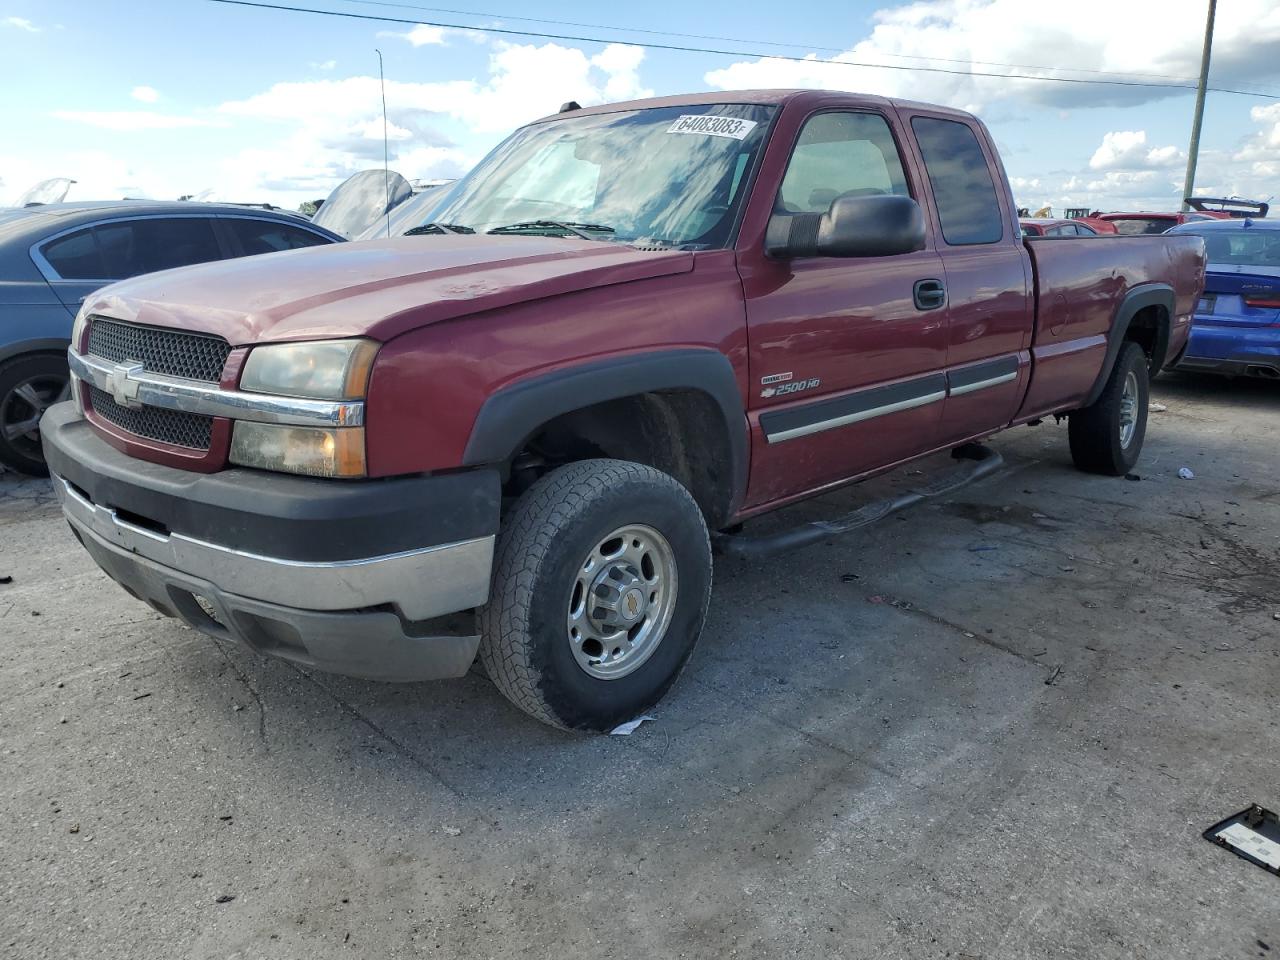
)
(629, 327)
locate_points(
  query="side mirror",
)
(875, 226)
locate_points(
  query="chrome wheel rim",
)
(24, 405)
(1129, 409)
(621, 601)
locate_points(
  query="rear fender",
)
(1137, 299)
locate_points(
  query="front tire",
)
(601, 584)
(1106, 437)
(29, 385)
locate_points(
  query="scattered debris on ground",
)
(628, 728)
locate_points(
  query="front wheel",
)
(1106, 437)
(601, 585)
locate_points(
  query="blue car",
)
(1237, 323)
(53, 256)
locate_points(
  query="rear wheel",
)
(1106, 437)
(601, 584)
(28, 386)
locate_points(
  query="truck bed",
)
(1080, 284)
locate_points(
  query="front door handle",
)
(929, 294)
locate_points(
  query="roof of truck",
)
(762, 97)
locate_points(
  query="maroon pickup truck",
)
(630, 325)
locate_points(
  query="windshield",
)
(1246, 248)
(360, 200)
(403, 216)
(668, 175)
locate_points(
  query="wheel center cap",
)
(632, 604)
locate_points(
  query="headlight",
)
(77, 330)
(315, 370)
(313, 451)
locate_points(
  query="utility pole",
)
(1193, 152)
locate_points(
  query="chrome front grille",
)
(175, 427)
(194, 356)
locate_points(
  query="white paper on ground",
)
(628, 728)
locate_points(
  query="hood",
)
(377, 289)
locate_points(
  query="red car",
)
(1050, 227)
(1132, 224)
(630, 327)
(1096, 225)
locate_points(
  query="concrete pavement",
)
(991, 727)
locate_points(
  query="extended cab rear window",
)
(965, 194)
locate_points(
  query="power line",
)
(591, 26)
(506, 31)
(765, 43)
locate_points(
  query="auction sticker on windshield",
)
(730, 127)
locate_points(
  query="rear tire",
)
(28, 386)
(601, 584)
(1106, 437)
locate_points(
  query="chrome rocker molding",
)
(983, 384)
(132, 386)
(788, 424)
(423, 584)
(857, 417)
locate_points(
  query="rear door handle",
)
(929, 294)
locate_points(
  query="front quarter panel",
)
(429, 385)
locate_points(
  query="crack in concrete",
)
(253, 692)
(908, 607)
(401, 748)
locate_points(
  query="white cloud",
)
(333, 127)
(423, 35)
(995, 32)
(99, 175)
(21, 23)
(132, 120)
(325, 65)
(1260, 153)
(1127, 174)
(145, 94)
(1128, 150)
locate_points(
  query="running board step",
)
(982, 462)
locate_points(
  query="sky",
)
(163, 98)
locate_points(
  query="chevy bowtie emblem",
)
(122, 385)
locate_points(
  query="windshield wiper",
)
(432, 228)
(561, 226)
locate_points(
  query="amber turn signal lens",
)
(310, 451)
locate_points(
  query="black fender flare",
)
(1139, 298)
(509, 417)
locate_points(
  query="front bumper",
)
(355, 578)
